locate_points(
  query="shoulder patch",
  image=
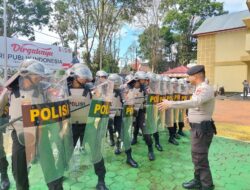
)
(198, 91)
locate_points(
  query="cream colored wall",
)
(222, 53)
(230, 45)
(206, 54)
(231, 77)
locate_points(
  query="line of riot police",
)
(45, 133)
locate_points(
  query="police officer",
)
(176, 97)
(138, 81)
(80, 97)
(201, 107)
(182, 112)
(151, 90)
(102, 76)
(34, 71)
(80, 86)
(19, 164)
(29, 76)
(4, 118)
(116, 117)
(171, 113)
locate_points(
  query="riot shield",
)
(152, 99)
(5, 139)
(176, 97)
(116, 104)
(169, 114)
(163, 95)
(79, 106)
(127, 117)
(139, 98)
(46, 133)
(183, 97)
(97, 121)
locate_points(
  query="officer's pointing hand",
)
(164, 105)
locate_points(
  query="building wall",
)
(230, 46)
(206, 54)
(231, 77)
(222, 53)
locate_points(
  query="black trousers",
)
(115, 125)
(139, 122)
(19, 164)
(3, 161)
(245, 92)
(201, 138)
(78, 132)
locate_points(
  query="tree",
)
(98, 22)
(22, 16)
(110, 64)
(150, 20)
(184, 17)
(67, 29)
(108, 15)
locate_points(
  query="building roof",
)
(177, 70)
(223, 22)
(180, 71)
(138, 65)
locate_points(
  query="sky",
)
(130, 37)
(130, 34)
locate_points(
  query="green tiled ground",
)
(229, 160)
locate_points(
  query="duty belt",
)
(204, 125)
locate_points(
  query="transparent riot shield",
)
(127, 117)
(80, 100)
(5, 138)
(169, 114)
(139, 98)
(176, 97)
(116, 104)
(97, 121)
(163, 96)
(152, 99)
(183, 97)
(79, 106)
(46, 133)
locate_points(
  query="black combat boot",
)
(134, 140)
(157, 142)
(151, 155)
(171, 136)
(193, 184)
(208, 188)
(56, 185)
(130, 161)
(111, 137)
(5, 182)
(100, 171)
(175, 132)
(180, 131)
(118, 147)
(111, 132)
(101, 186)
